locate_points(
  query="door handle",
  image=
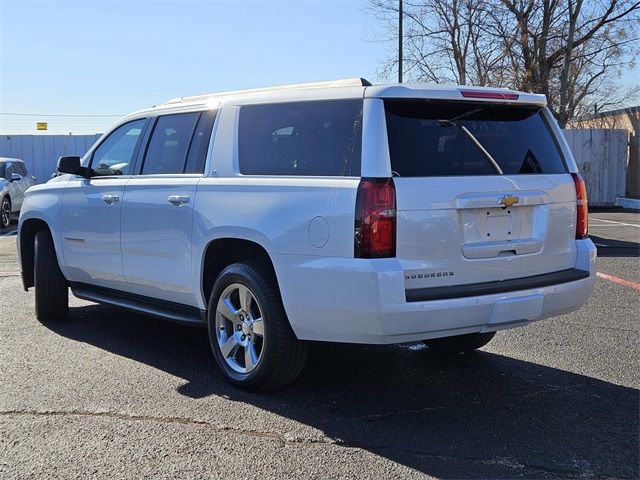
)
(178, 200)
(110, 199)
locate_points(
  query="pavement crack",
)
(282, 439)
(383, 416)
(601, 327)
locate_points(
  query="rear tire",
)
(256, 357)
(5, 212)
(52, 292)
(460, 343)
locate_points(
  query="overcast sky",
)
(117, 56)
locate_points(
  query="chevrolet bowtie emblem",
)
(508, 201)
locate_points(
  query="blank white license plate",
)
(516, 309)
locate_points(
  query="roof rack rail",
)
(346, 82)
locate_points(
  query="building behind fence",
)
(602, 156)
(40, 152)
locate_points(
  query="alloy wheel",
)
(6, 213)
(239, 328)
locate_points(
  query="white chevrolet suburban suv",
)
(340, 211)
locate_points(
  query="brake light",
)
(375, 225)
(492, 95)
(582, 221)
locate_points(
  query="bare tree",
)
(443, 41)
(573, 51)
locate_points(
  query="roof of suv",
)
(9, 159)
(351, 88)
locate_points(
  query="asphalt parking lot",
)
(113, 394)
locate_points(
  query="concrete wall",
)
(40, 152)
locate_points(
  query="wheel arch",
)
(221, 252)
(26, 247)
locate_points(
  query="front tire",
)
(5, 212)
(252, 341)
(52, 292)
(460, 343)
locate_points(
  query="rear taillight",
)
(375, 226)
(582, 223)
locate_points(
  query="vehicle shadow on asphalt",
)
(616, 248)
(479, 415)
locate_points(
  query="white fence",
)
(602, 156)
(40, 152)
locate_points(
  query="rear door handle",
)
(110, 199)
(178, 200)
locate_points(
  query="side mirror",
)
(69, 165)
(15, 177)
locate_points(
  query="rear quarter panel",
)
(292, 216)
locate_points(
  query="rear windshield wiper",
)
(472, 137)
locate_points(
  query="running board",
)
(154, 307)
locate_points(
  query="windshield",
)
(439, 138)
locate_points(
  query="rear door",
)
(157, 208)
(483, 192)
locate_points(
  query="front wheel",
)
(5, 212)
(52, 292)
(460, 343)
(249, 333)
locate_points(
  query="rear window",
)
(319, 138)
(169, 144)
(428, 138)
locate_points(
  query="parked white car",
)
(341, 211)
(14, 181)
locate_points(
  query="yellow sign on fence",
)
(41, 125)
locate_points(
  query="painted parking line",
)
(607, 225)
(618, 280)
(617, 223)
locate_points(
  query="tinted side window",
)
(427, 138)
(200, 144)
(169, 144)
(301, 138)
(115, 154)
(8, 170)
(21, 169)
(2, 170)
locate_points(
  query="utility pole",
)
(400, 41)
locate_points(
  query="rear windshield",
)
(428, 138)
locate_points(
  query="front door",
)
(92, 207)
(16, 192)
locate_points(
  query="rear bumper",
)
(364, 301)
(501, 286)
